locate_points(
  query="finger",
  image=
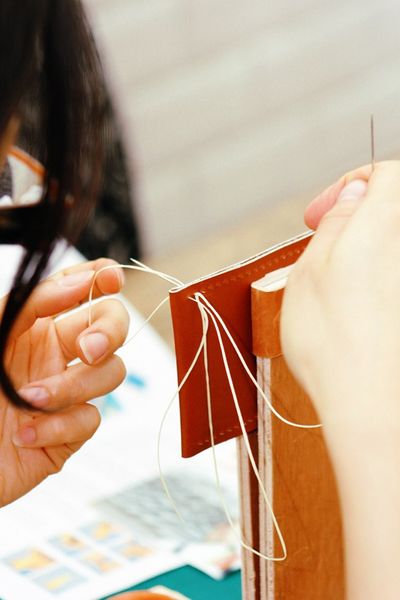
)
(380, 198)
(75, 425)
(110, 325)
(58, 294)
(328, 198)
(75, 385)
(335, 220)
(109, 281)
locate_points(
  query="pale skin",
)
(341, 339)
(35, 444)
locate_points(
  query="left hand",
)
(36, 444)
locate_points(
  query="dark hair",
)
(48, 57)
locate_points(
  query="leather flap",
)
(230, 294)
(266, 301)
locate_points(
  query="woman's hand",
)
(341, 338)
(36, 444)
(341, 309)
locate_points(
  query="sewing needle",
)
(372, 133)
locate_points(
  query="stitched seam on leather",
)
(274, 260)
(226, 281)
(229, 430)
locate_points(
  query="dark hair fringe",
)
(49, 57)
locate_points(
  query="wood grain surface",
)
(305, 499)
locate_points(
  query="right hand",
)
(341, 338)
(340, 324)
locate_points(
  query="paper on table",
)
(54, 541)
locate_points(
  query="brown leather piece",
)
(229, 292)
(305, 499)
(265, 317)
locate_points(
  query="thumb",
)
(355, 190)
(335, 220)
(326, 200)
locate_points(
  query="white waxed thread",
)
(206, 308)
(142, 268)
(146, 321)
(203, 310)
(203, 347)
(250, 374)
(166, 412)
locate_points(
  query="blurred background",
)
(224, 119)
(233, 114)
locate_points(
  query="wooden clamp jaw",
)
(295, 467)
(293, 463)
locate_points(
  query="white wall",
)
(229, 106)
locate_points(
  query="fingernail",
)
(37, 396)
(75, 278)
(94, 346)
(24, 437)
(354, 190)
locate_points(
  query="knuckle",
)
(58, 427)
(120, 370)
(59, 458)
(110, 305)
(76, 387)
(104, 262)
(116, 372)
(68, 389)
(118, 316)
(91, 418)
(56, 466)
(123, 319)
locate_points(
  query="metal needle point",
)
(372, 131)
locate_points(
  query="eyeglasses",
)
(21, 191)
(21, 180)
